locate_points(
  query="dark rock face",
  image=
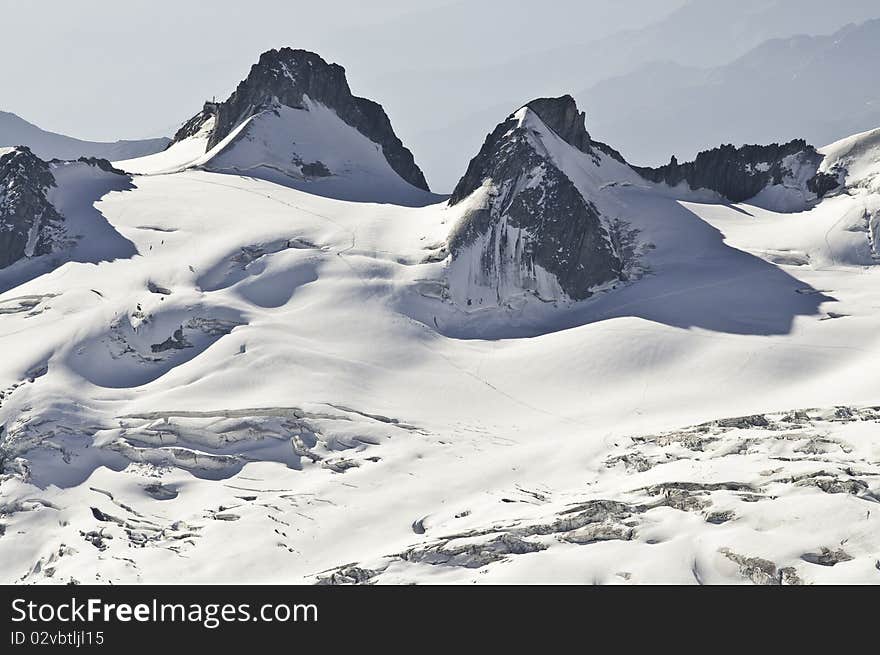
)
(562, 116)
(534, 216)
(741, 173)
(823, 183)
(286, 75)
(29, 224)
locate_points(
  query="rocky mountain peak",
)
(286, 76)
(283, 76)
(526, 227)
(562, 116)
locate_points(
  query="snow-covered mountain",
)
(294, 120)
(527, 226)
(572, 370)
(15, 131)
(543, 214)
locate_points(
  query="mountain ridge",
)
(16, 131)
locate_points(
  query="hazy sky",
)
(105, 69)
(446, 71)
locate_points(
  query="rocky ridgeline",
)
(29, 224)
(96, 162)
(534, 218)
(285, 76)
(741, 173)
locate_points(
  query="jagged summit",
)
(289, 79)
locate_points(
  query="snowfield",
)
(245, 373)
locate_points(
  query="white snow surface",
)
(859, 155)
(270, 386)
(175, 158)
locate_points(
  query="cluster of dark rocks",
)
(741, 173)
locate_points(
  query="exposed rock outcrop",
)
(527, 227)
(100, 163)
(741, 173)
(29, 224)
(287, 76)
(562, 116)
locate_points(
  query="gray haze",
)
(820, 88)
(446, 71)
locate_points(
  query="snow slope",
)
(270, 387)
(859, 156)
(175, 158)
(15, 131)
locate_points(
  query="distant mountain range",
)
(688, 43)
(15, 131)
(817, 87)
